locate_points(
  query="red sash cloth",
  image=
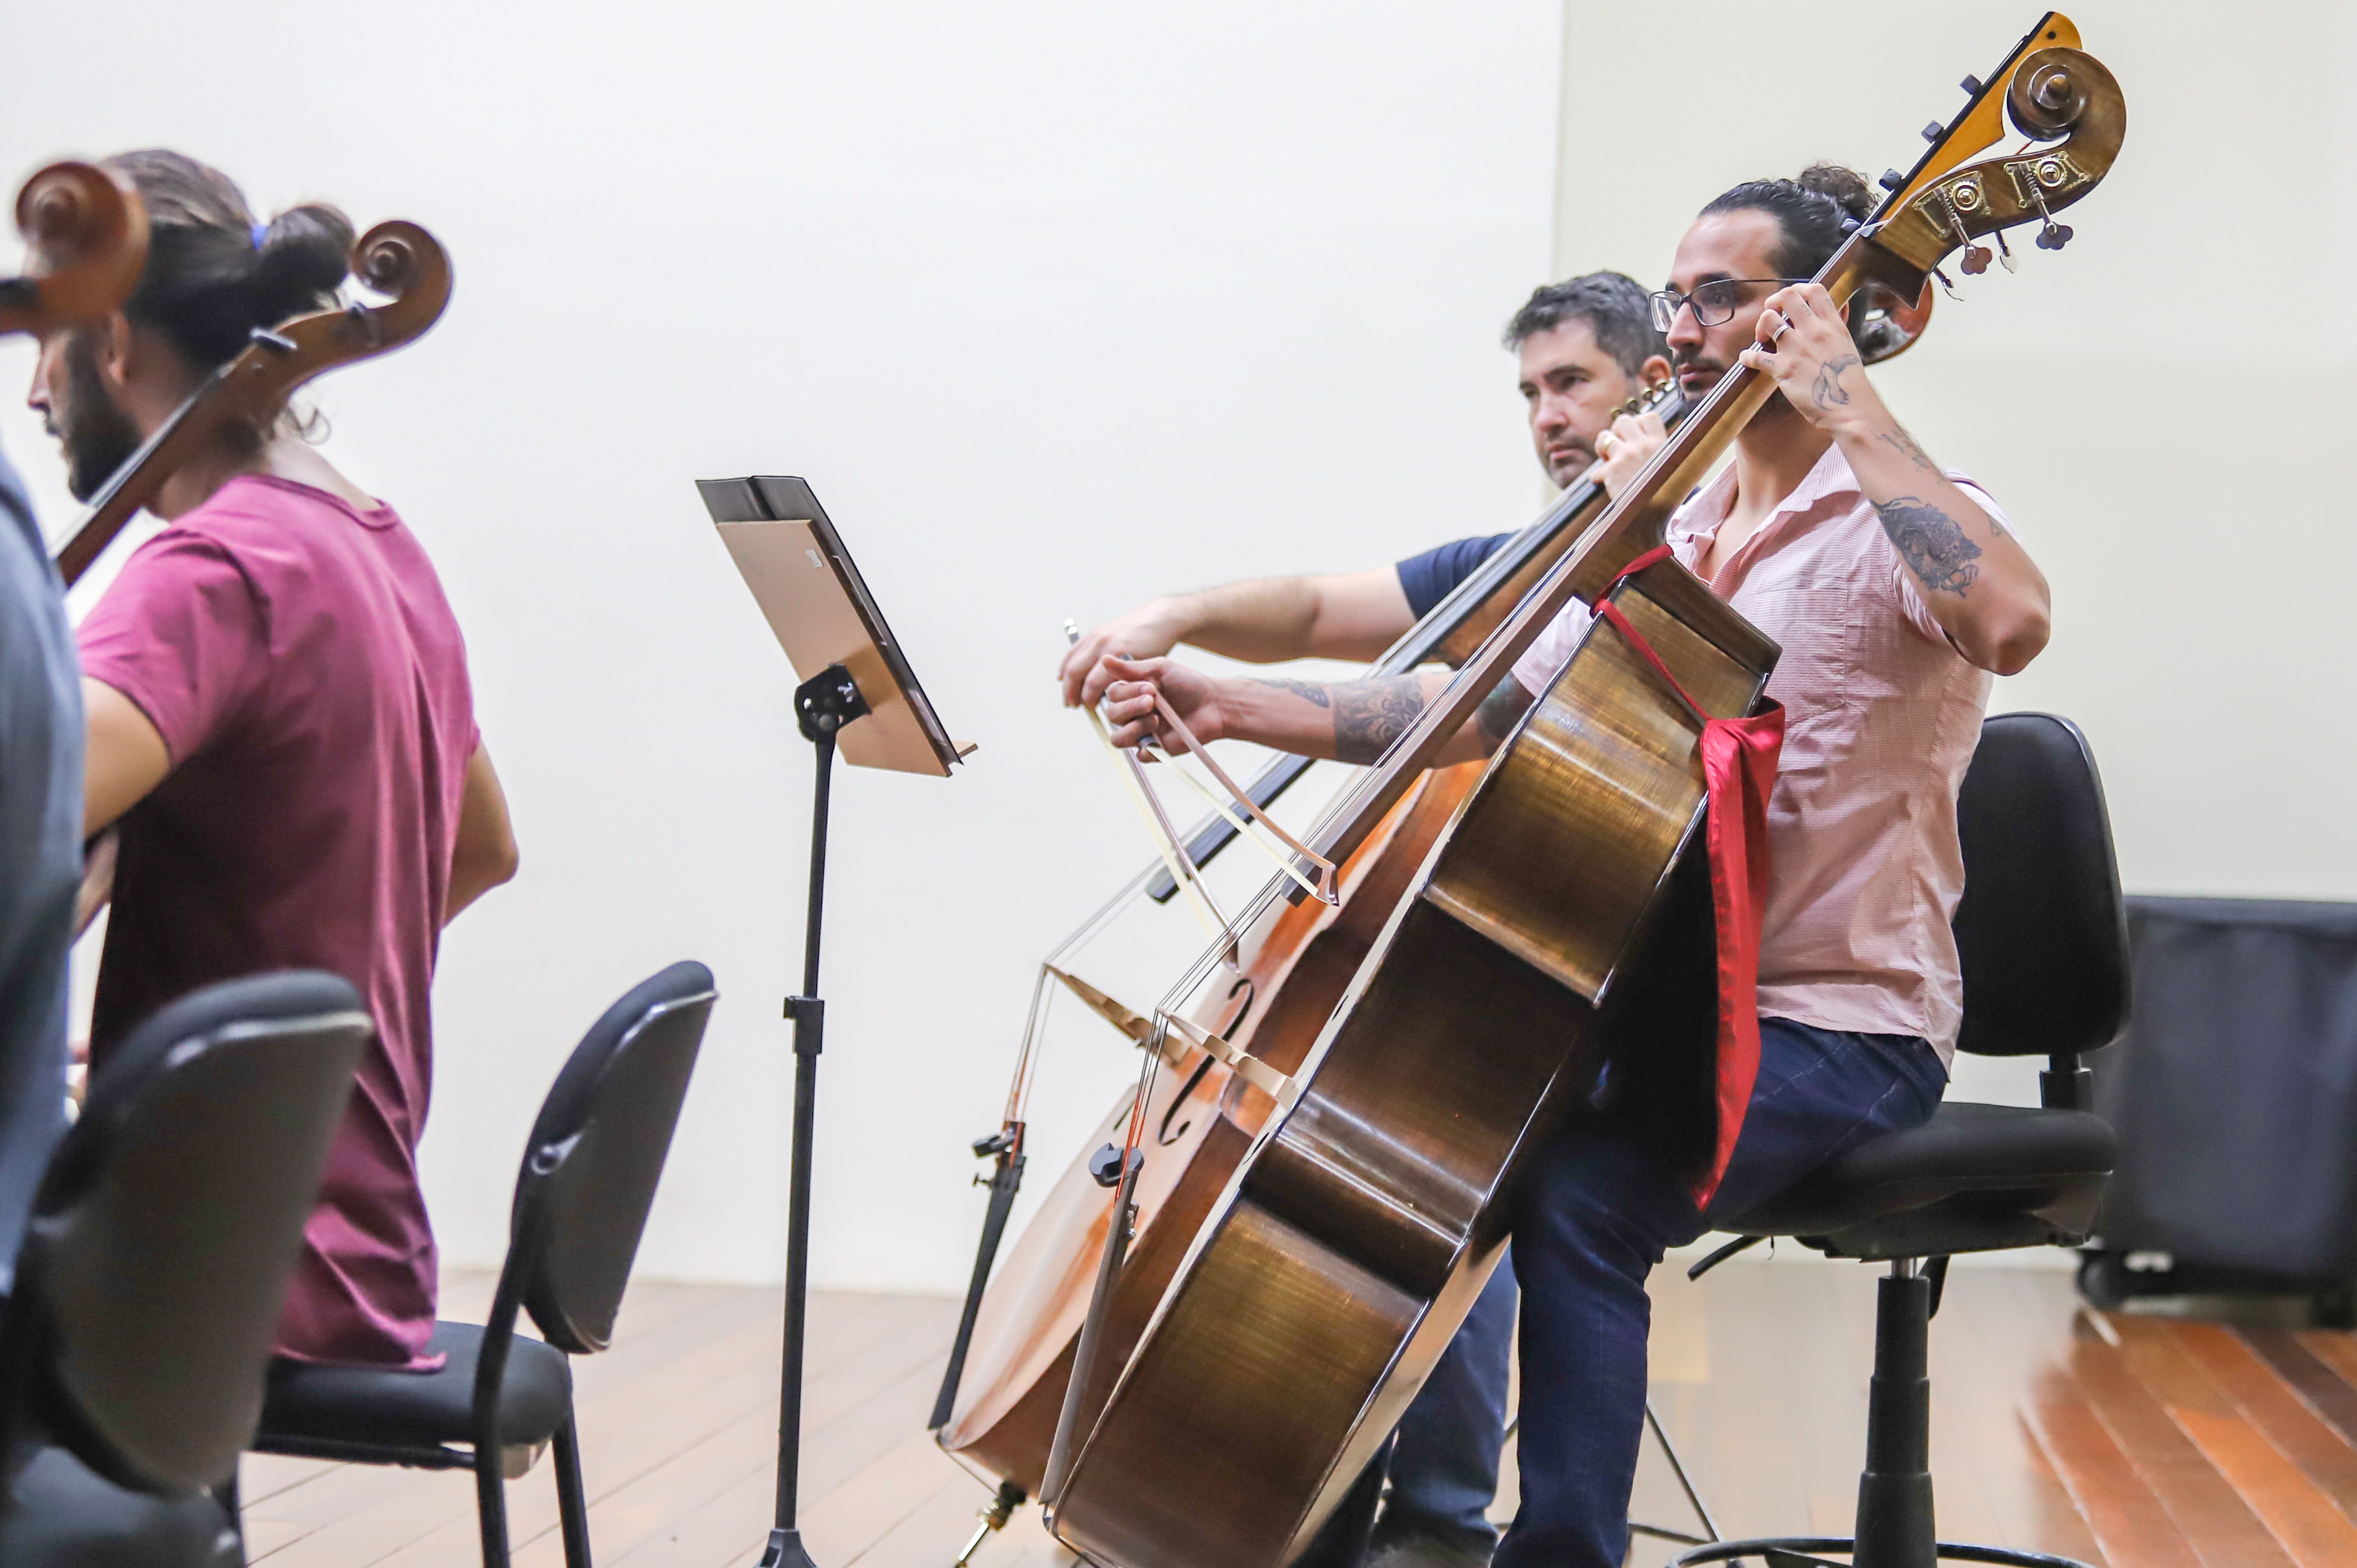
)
(1739, 768)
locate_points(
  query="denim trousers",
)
(1602, 1205)
(1441, 1463)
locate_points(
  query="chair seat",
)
(362, 1405)
(1987, 1159)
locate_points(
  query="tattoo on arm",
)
(1501, 711)
(1932, 544)
(1828, 392)
(1370, 715)
(1307, 691)
(1906, 446)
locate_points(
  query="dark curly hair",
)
(1616, 308)
(1816, 211)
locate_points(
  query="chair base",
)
(1798, 1550)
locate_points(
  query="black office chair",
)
(155, 1266)
(2044, 942)
(581, 1201)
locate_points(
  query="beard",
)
(97, 435)
(1683, 359)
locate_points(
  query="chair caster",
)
(1803, 1552)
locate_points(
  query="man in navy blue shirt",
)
(1583, 347)
(40, 856)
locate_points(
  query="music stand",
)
(851, 669)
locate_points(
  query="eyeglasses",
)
(1714, 303)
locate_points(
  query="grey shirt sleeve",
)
(40, 856)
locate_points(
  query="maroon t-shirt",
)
(304, 670)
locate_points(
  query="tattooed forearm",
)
(1370, 715)
(1828, 391)
(1307, 691)
(1932, 544)
(1501, 711)
(1907, 446)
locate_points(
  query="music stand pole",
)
(820, 611)
(823, 705)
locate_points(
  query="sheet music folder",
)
(822, 614)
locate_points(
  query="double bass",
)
(1336, 1262)
(1010, 1367)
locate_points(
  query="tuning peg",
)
(2005, 251)
(1947, 287)
(1957, 199)
(1971, 86)
(1891, 180)
(1935, 131)
(2049, 171)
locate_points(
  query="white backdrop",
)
(1056, 304)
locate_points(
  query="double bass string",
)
(1018, 1093)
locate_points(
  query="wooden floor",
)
(2133, 1440)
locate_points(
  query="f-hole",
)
(1252, 994)
(1164, 1138)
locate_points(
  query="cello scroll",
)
(86, 237)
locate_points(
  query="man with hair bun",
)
(281, 728)
(1895, 590)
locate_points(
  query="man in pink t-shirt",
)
(281, 730)
(1894, 591)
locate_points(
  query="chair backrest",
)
(168, 1223)
(597, 1151)
(2041, 929)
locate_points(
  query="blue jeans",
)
(1442, 1459)
(1444, 1463)
(1602, 1205)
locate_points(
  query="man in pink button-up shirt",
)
(1895, 590)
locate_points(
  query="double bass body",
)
(1360, 1228)
(1200, 1121)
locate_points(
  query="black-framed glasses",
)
(1714, 303)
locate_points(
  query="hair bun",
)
(303, 256)
(1846, 187)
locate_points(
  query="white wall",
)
(1056, 304)
(2163, 408)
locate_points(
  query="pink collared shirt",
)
(1881, 716)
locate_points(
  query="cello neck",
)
(135, 483)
